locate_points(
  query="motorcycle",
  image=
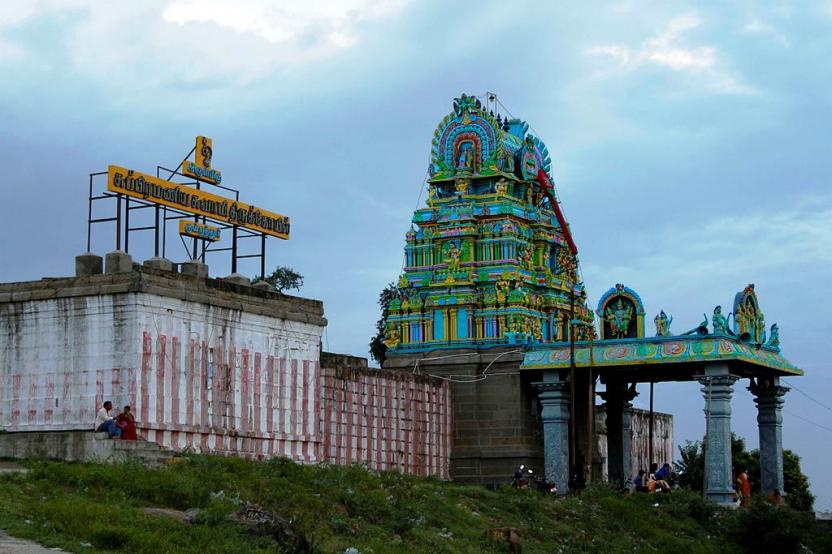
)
(525, 478)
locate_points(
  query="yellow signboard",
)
(198, 202)
(199, 230)
(201, 169)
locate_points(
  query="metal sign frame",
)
(163, 214)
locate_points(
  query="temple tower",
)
(490, 269)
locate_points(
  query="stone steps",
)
(148, 453)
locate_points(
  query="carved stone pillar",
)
(554, 398)
(619, 410)
(717, 388)
(768, 395)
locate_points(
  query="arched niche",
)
(621, 313)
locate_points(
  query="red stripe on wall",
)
(340, 431)
(174, 382)
(380, 430)
(305, 404)
(161, 342)
(408, 425)
(145, 386)
(258, 391)
(350, 413)
(270, 393)
(189, 388)
(370, 427)
(204, 383)
(49, 408)
(389, 389)
(293, 403)
(230, 377)
(244, 394)
(326, 454)
(281, 398)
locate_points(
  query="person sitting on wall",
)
(104, 422)
(639, 483)
(656, 485)
(127, 423)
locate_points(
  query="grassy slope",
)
(66, 505)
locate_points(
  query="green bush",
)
(766, 528)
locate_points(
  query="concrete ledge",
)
(79, 446)
(70, 446)
(184, 286)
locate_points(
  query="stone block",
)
(88, 264)
(118, 261)
(238, 279)
(160, 263)
(263, 285)
(195, 269)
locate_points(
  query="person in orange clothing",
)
(744, 488)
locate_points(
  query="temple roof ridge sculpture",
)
(623, 343)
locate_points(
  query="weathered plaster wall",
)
(210, 367)
(663, 446)
(387, 421)
(205, 365)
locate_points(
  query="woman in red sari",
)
(127, 423)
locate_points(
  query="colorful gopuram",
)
(490, 260)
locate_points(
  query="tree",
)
(691, 470)
(378, 349)
(284, 278)
(796, 483)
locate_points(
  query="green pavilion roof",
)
(636, 352)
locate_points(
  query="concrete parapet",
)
(238, 279)
(194, 269)
(88, 264)
(160, 263)
(118, 261)
(213, 292)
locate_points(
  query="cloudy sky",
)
(689, 145)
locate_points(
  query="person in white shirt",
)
(104, 422)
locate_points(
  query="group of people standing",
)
(122, 426)
(658, 479)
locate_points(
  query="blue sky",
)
(689, 145)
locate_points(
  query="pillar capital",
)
(553, 388)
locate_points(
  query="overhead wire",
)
(815, 400)
(468, 378)
(825, 428)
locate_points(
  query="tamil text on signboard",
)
(199, 230)
(198, 202)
